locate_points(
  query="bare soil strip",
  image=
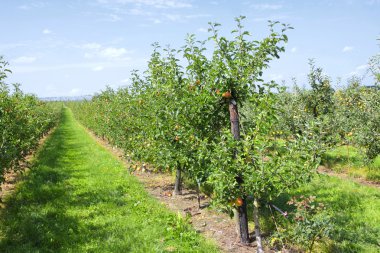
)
(217, 226)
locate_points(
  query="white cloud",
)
(179, 17)
(271, 17)
(95, 50)
(203, 30)
(25, 59)
(267, 6)
(140, 12)
(89, 55)
(347, 49)
(362, 67)
(32, 5)
(160, 4)
(98, 68)
(12, 46)
(293, 50)
(126, 80)
(359, 70)
(157, 21)
(353, 73)
(114, 18)
(112, 52)
(91, 46)
(197, 16)
(126, 63)
(46, 31)
(24, 7)
(173, 17)
(117, 9)
(75, 91)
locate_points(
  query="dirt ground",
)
(9, 184)
(217, 226)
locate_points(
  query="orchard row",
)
(211, 120)
(346, 116)
(216, 122)
(24, 119)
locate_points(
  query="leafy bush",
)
(309, 223)
(23, 121)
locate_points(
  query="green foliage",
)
(354, 211)
(358, 114)
(310, 113)
(177, 116)
(23, 121)
(374, 67)
(352, 161)
(79, 198)
(350, 213)
(320, 99)
(311, 222)
(330, 118)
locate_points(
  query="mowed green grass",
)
(355, 212)
(78, 197)
(351, 160)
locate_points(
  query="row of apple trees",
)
(23, 121)
(333, 117)
(190, 119)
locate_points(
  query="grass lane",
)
(355, 212)
(352, 161)
(355, 209)
(78, 197)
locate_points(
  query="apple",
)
(239, 202)
(227, 94)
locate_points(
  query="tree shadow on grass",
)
(351, 232)
(332, 161)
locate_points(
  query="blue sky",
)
(77, 47)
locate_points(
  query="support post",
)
(241, 210)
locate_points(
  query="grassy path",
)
(79, 198)
(355, 209)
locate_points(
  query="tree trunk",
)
(257, 226)
(241, 210)
(243, 222)
(178, 182)
(234, 119)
